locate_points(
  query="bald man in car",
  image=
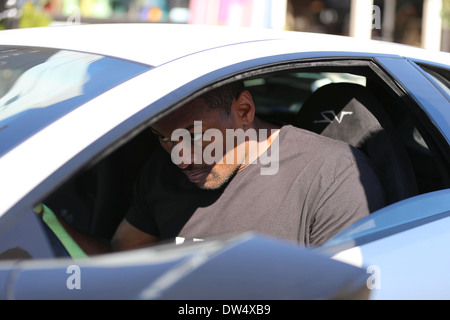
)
(221, 170)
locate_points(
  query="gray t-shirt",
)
(321, 187)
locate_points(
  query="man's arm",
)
(354, 193)
(128, 237)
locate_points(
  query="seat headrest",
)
(351, 113)
(343, 111)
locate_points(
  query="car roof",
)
(156, 44)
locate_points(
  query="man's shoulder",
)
(158, 156)
(158, 163)
(294, 136)
(311, 146)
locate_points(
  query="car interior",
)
(384, 123)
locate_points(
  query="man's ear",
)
(243, 108)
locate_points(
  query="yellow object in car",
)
(52, 222)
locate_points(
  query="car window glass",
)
(39, 85)
(285, 93)
(440, 76)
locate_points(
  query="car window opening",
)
(95, 201)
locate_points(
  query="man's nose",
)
(188, 154)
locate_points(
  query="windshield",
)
(39, 85)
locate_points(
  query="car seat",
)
(351, 113)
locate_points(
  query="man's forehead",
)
(184, 116)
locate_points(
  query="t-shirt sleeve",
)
(140, 214)
(353, 194)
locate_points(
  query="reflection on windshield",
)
(40, 85)
(65, 73)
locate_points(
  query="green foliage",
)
(33, 16)
(446, 12)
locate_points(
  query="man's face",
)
(205, 176)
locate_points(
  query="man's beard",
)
(219, 180)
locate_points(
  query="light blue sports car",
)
(76, 107)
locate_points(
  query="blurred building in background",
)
(424, 23)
